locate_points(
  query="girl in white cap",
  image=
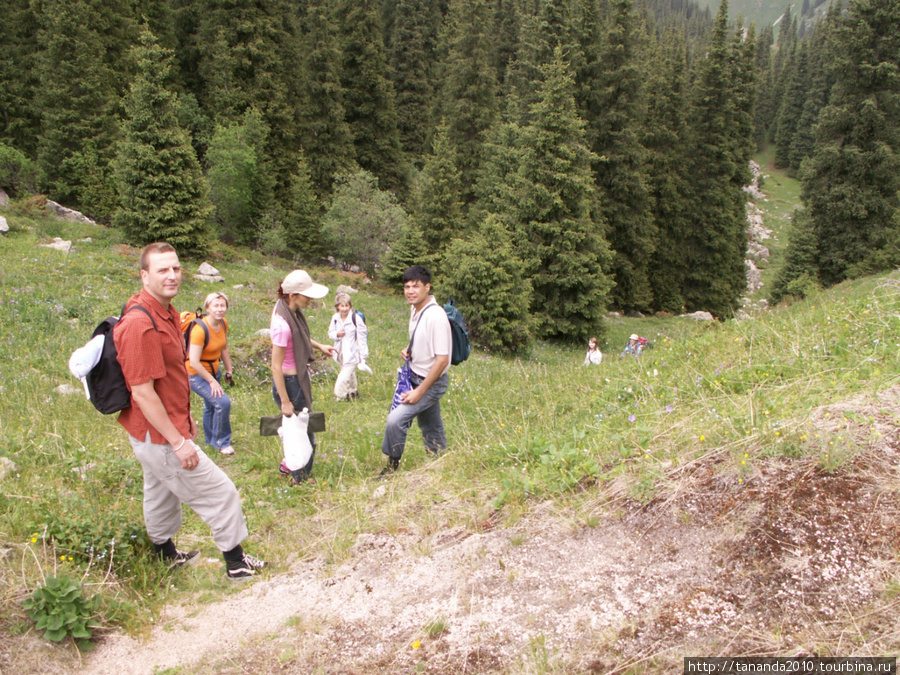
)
(292, 352)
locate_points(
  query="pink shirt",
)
(280, 333)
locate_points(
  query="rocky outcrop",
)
(67, 214)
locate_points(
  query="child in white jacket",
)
(594, 356)
(350, 335)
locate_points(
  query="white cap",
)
(300, 282)
(634, 336)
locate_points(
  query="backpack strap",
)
(144, 310)
(418, 321)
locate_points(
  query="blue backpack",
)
(461, 345)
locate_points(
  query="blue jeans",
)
(428, 413)
(216, 415)
(295, 393)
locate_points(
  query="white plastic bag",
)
(297, 448)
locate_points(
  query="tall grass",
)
(521, 430)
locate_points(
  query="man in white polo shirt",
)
(429, 361)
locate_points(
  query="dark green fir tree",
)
(325, 134)
(79, 100)
(564, 250)
(798, 276)
(412, 65)
(613, 108)
(438, 202)
(303, 220)
(162, 194)
(369, 93)
(19, 116)
(715, 238)
(850, 184)
(670, 187)
(487, 282)
(467, 100)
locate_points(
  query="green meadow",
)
(521, 431)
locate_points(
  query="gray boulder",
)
(699, 316)
(207, 272)
(67, 214)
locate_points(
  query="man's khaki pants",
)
(206, 489)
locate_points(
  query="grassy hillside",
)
(521, 431)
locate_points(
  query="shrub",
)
(18, 174)
(362, 221)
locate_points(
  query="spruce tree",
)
(303, 220)
(162, 195)
(850, 184)
(792, 103)
(79, 100)
(765, 110)
(325, 134)
(369, 94)
(564, 250)
(467, 99)
(798, 275)
(439, 212)
(715, 238)
(670, 186)
(487, 282)
(411, 57)
(249, 58)
(406, 250)
(19, 116)
(818, 87)
(614, 112)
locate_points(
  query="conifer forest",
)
(549, 160)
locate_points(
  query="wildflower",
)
(631, 418)
(416, 644)
(669, 408)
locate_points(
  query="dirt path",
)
(476, 603)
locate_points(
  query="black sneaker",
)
(182, 558)
(244, 568)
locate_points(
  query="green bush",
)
(18, 174)
(362, 222)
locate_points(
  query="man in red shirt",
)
(150, 348)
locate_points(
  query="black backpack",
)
(105, 381)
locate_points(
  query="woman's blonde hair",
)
(342, 298)
(215, 295)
